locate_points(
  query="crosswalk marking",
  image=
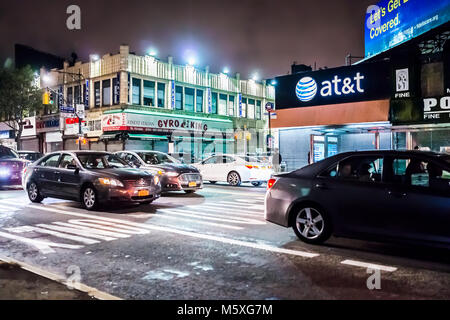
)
(214, 217)
(224, 211)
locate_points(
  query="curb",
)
(100, 295)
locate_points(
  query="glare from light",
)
(94, 57)
(273, 82)
(226, 70)
(152, 52)
(47, 78)
(191, 61)
(255, 77)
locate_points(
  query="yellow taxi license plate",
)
(143, 193)
(192, 184)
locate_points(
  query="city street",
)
(214, 244)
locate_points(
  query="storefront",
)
(143, 130)
(330, 111)
(30, 140)
(50, 129)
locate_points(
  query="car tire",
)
(257, 184)
(89, 198)
(312, 225)
(33, 193)
(234, 179)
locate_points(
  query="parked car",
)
(183, 157)
(93, 178)
(11, 167)
(176, 176)
(234, 169)
(382, 195)
(30, 155)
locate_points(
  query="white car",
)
(234, 169)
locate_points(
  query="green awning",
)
(204, 139)
(146, 137)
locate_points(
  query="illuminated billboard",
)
(392, 22)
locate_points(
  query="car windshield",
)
(101, 161)
(157, 158)
(6, 153)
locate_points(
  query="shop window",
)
(178, 98)
(97, 93)
(106, 97)
(77, 95)
(189, 95)
(223, 104)
(214, 103)
(161, 95)
(199, 102)
(136, 92)
(149, 93)
(258, 110)
(70, 96)
(231, 106)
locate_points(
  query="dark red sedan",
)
(11, 167)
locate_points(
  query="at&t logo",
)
(306, 89)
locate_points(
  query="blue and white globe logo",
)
(306, 89)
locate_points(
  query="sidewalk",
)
(19, 284)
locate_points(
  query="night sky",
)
(246, 35)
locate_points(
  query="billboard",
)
(364, 82)
(392, 22)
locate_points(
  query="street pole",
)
(80, 132)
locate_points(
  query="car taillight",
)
(249, 166)
(271, 183)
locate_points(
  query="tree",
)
(19, 97)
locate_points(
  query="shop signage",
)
(437, 109)
(5, 134)
(116, 85)
(333, 86)
(402, 83)
(86, 94)
(72, 127)
(149, 123)
(29, 127)
(51, 123)
(172, 95)
(392, 22)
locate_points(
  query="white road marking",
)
(241, 243)
(211, 216)
(369, 265)
(5, 209)
(223, 211)
(254, 207)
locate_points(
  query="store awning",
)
(146, 137)
(335, 114)
(204, 138)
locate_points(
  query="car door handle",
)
(321, 186)
(397, 194)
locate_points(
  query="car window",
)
(157, 158)
(360, 168)
(6, 153)
(67, 160)
(101, 161)
(212, 160)
(412, 171)
(51, 161)
(229, 159)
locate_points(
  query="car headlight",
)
(4, 172)
(171, 174)
(110, 182)
(156, 179)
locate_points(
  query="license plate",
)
(143, 193)
(192, 184)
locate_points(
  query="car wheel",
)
(257, 184)
(312, 225)
(33, 193)
(89, 198)
(234, 179)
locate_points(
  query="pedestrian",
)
(276, 160)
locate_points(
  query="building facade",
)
(141, 102)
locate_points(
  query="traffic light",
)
(52, 98)
(46, 98)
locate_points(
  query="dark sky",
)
(245, 35)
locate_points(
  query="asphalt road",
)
(211, 245)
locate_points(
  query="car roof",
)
(24, 151)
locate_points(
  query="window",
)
(199, 103)
(77, 95)
(258, 110)
(189, 95)
(116, 91)
(67, 160)
(244, 107)
(106, 84)
(161, 95)
(70, 96)
(212, 160)
(231, 106)
(136, 92)
(223, 104)
(85, 101)
(363, 169)
(51, 161)
(420, 173)
(149, 93)
(251, 109)
(97, 93)
(178, 98)
(214, 103)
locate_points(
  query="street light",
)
(94, 57)
(152, 52)
(191, 61)
(255, 77)
(226, 70)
